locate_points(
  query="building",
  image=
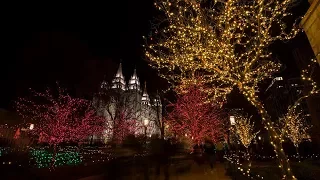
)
(283, 93)
(126, 100)
(277, 99)
(296, 89)
(311, 25)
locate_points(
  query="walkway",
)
(194, 172)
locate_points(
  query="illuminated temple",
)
(126, 100)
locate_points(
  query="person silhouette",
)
(210, 150)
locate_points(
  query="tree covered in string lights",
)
(227, 43)
(123, 127)
(191, 117)
(244, 128)
(295, 127)
(60, 118)
(293, 124)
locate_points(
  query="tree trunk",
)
(297, 149)
(54, 155)
(275, 138)
(248, 157)
(162, 132)
(91, 140)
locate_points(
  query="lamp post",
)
(232, 123)
(232, 120)
(145, 123)
(31, 127)
(260, 145)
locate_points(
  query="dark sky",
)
(78, 44)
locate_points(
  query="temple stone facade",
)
(125, 99)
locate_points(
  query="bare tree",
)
(244, 129)
(157, 117)
(125, 113)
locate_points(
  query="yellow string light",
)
(226, 44)
(293, 123)
(244, 128)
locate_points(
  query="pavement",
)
(197, 172)
(193, 172)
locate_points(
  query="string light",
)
(43, 158)
(293, 123)
(227, 44)
(65, 156)
(190, 117)
(269, 157)
(244, 128)
(234, 159)
(60, 118)
(124, 126)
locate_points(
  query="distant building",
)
(10, 124)
(283, 93)
(296, 88)
(128, 98)
(277, 98)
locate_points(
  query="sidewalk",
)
(179, 169)
(197, 172)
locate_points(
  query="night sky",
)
(75, 44)
(80, 44)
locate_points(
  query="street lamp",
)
(232, 120)
(145, 123)
(232, 123)
(31, 126)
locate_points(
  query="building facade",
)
(125, 100)
(277, 98)
(311, 25)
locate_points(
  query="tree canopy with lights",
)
(193, 118)
(228, 43)
(123, 127)
(293, 124)
(244, 128)
(59, 118)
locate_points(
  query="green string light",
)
(44, 158)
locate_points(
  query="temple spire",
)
(104, 84)
(118, 82)
(145, 87)
(134, 73)
(145, 97)
(157, 100)
(134, 82)
(119, 72)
